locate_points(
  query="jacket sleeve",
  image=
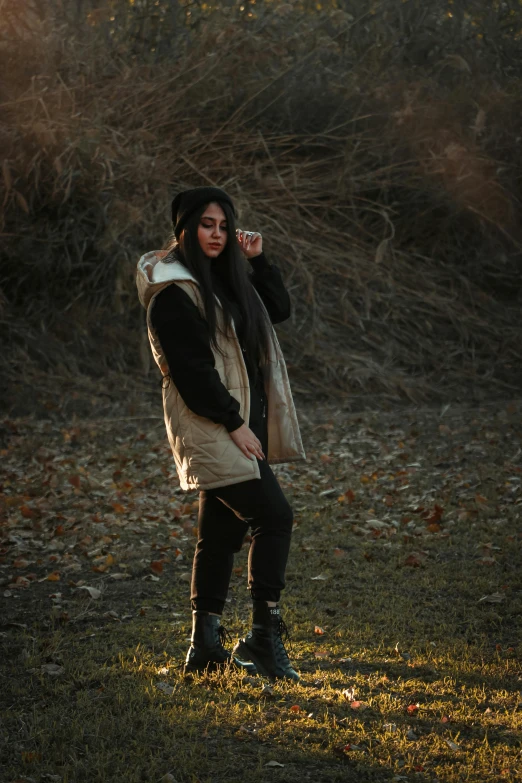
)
(185, 341)
(266, 279)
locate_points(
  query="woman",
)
(228, 412)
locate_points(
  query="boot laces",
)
(224, 636)
(282, 635)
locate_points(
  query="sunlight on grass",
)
(406, 635)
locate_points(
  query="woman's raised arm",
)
(268, 282)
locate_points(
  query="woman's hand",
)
(250, 242)
(249, 444)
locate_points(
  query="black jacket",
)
(185, 341)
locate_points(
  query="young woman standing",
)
(229, 412)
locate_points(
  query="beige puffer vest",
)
(204, 453)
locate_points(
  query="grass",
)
(380, 161)
(414, 678)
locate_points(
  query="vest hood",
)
(153, 273)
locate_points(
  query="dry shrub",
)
(384, 175)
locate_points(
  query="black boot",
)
(206, 651)
(264, 643)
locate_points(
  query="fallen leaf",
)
(20, 581)
(452, 745)
(358, 705)
(347, 497)
(94, 593)
(165, 688)
(326, 492)
(157, 566)
(494, 598)
(53, 669)
(274, 764)
(54, 576)
(21, 563)
(487, 561)
(415, 560)
(321, 653)
(112, 615)
(319, 631)
(295, 708)
(28, 757)
(434, 516)
(411, 709)
(320, 578)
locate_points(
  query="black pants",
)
(225, 516)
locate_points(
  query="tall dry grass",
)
(378, 152)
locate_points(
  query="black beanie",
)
(188, 201)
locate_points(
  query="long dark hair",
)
(230, 267)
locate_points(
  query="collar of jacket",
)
(153, 274)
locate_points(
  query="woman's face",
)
(212, 230)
